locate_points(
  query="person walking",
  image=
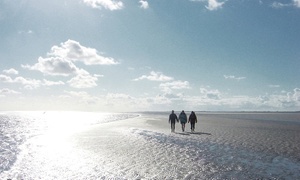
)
(183, 119)
(193, 120)
(172, 119)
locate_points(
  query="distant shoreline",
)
(219, 112)
(176, 111)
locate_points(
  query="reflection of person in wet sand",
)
(172, 119)
(183, 119)
(192, 120)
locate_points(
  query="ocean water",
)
(82, 145)
(22, 132)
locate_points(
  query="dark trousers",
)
(192, 125)
(183, 126)
(173, 126)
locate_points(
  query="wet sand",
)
(224, 146)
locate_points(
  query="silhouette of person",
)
(172, 119)
(193, 120)
(183, 119)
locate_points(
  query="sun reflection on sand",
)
(60, 126)
(55, 148)
(65, 123)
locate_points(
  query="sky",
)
(150, 55)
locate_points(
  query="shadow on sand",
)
(199, 133)
(189, 133)
(183, 133)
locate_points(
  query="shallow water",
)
(22, 132)
(101, 146)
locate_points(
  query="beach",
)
(225, 145)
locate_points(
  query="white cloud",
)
(30, 83)
(155, 76)
(83, 80)
(8, 91)
(107, 4)
(214, 5)
(98, 75)
(74, 51)
(33, 83)
(144, 4)
(277, 5)
(118, 96)
(77, 94)
(4, 78)
(233, 77)
(11, 71)
(274, 86)
(25, 32)
(125, 102)
(52, 83)
(210, 94)
(297, 3)
(55, 66)
(213, 99)
(296, 95)
(169, 86)
(173, 96)
(208, 99)
(60, 60)
(161, 100)
(286, 101)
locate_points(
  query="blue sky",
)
(143, 55)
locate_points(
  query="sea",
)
(140, 145)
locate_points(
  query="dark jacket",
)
(182, 117)
(193, 118)
(173, 118)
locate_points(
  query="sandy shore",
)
(225, 146)
(144, 147)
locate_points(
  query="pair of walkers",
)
(183, 120)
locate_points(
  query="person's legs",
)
(172, 126)
(192, 127)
